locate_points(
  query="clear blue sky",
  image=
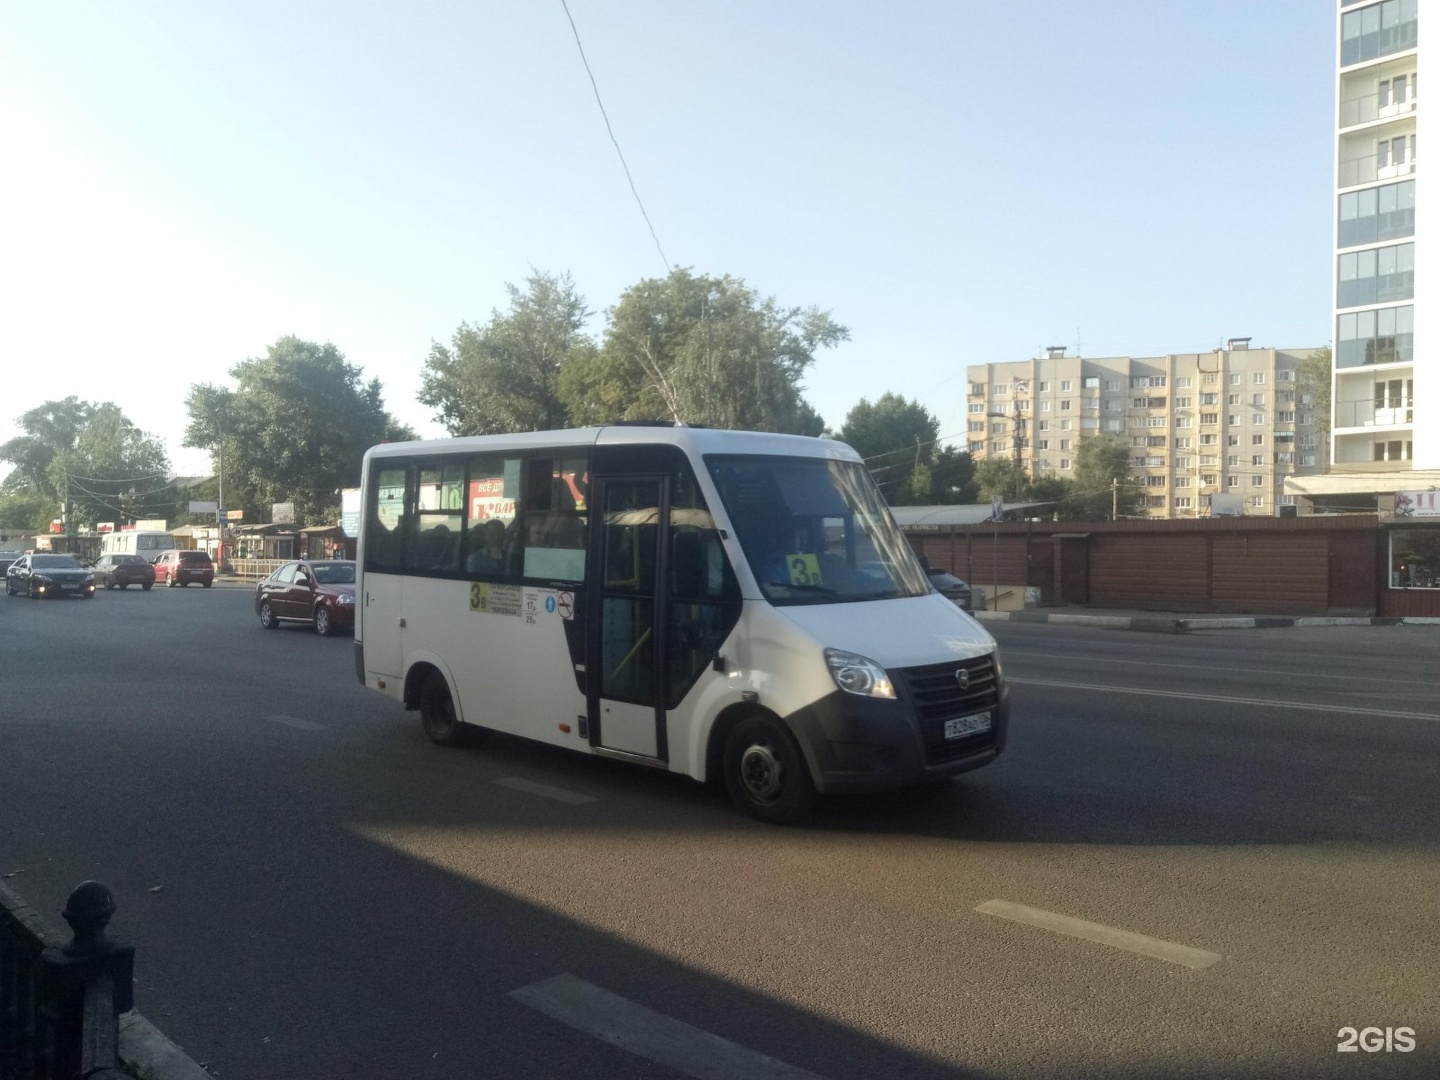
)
(184, 183)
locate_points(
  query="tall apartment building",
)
(1385, 394)
(1209, 433)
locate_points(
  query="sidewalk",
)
(1167, 622)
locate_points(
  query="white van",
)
(715, 603)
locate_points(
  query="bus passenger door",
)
(623, 651)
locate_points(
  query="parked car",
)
(8, 559)
(42, 575)
(118, 571)
(181, 567)
(318, 591)
(950, 586)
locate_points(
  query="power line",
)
(613, 140)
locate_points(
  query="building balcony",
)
(1371, 107)
(1351, 415)
(1367, 169)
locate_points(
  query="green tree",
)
(897, 440)
(1001, 476)
(503, 376)
(294, 429)
(1312, 386)
(1102, 481)
(86, 462)
(699, 349)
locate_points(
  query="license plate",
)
(69, 588)
(961, 726)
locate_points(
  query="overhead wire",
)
(614, 141)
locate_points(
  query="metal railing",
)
(60, 1002)
(255, 568)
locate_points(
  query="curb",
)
(143, 1045)
(1160, 625)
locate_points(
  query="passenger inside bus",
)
(487, 548)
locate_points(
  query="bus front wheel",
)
(765, 772)
(437, 712)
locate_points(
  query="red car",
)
(318, 591)
(181, 567)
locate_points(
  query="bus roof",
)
(700, 440)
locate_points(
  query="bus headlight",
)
(858, 674)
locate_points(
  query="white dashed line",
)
(651, 1035)
(290, 721)
(1198, 959)
(544, 791)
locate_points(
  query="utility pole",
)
(1114, 498)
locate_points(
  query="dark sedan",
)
(319, 591)
(118, 571)
(42, 575)
(950, 586)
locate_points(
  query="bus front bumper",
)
(855, 744)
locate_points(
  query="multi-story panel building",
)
(1217, 432)
(1385, 393)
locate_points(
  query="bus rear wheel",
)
(437, 712)
(766, 774)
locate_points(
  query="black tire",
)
(766, 774)
(323, 626)
(33, 594)
(208, 584)
(170, 582)
(147, 585)
(437, 712)
(267, 617)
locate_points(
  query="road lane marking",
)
(652, 1035)
(1199, 959)
(1209, 669)
(290, 721)
(1269, 703)
(545, 791)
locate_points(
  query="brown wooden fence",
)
(1276, 566)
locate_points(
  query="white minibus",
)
(716, 603)
(146, 543)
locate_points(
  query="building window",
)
(1235, 378)
(1112, 404)
(977, 425)
(1209, 440)
(1257, 459)
(1209, 379)
(1155, 481)
(1233, 399)
(1182, 403)
(1378, 30)
(1207, 479)
(1113, 425)
(1154, 502)
(976, 406)
(1064, 444)
(998, 429)
(1182, 443)
(1209, 459)
(1232, 481)
(1376, 276)
(1210, 399)
(1064, 386)
(1114, 384)
(1064, 463)
(1377, 214)
(1090, 382)
(1414, 559)
(1184, 421)
(977, 448)
(1156, 421)
(1257, 502)
(1257, 481)
(1042, 425)
(1232, 461)
(1066, 425)
(1139, 402)
(1258, 378)
(1155, 440)
(1182, 502)
(977, 389)
(1257, 440)
(1234, 419)
(1183, 382)
(1182, 481)
(1257, 399)
(1043, 388)
(1065, 405)
(1308, 460)
(1257, 418)
(1384, 336)
(1209, 418)
(1232, 440)
(1089, 423)
(1044, 406)
(1285, 418)
(1042, 444)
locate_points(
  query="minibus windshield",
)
(815, 530)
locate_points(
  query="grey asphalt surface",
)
(315, 891)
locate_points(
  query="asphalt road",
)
(1201, 856)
